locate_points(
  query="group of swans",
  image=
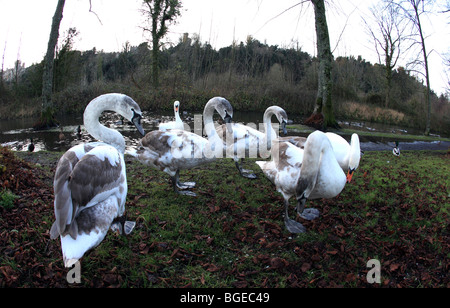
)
(90, 184)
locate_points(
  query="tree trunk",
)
(155, 62)
(47, 111)
(324, 106)
(388, 84)
(427, 75)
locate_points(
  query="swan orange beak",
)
(349, 175)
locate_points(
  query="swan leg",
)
(179, 187)
(292, 225)
(309, 213)
(116, 227)
(183, 185)
(244, 172)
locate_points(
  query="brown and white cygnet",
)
(174, 150)
(90, 184)
(247, 141)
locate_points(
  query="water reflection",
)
(16, 134)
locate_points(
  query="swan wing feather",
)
(81, 182)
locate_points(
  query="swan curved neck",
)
(269, 132)
(177, 113)
(317, 148)
(90, 118)
(177, 117)
(354, 154)
(208, 113)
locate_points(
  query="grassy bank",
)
(232, 235)
(299, 128)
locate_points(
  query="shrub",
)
(7, 199)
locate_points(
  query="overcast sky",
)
(25, 27)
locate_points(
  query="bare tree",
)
(323, 114)
(324, 103)
(3, 65)
(159, 13)
(47, 111)
(388, 36)
(412, 11)
(447, 55)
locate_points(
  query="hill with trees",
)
(251, 74)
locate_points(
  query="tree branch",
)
(91, 11)
(281, 14)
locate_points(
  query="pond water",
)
(16, 134)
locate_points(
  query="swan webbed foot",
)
(309, 214)
(293, 226)
(186, 193)
(128, 227)
(246, 173)
(185, 185)
(179, 187)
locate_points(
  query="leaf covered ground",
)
(396, 210)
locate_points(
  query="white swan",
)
(347, 155)
(250, 142)
(307, 174)
(90, 184)
(177, 124)
(175, 150)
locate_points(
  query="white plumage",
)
(307, 174)
(347, 155)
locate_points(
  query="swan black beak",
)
(228, 122)
(283, 127)
(136, 120)
(227, 118)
